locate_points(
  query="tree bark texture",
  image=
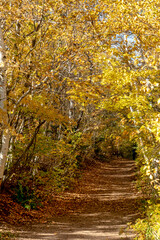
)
(4, 131)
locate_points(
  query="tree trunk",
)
(4, 131)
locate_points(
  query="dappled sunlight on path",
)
(108, 201)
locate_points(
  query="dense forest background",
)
(79, 81)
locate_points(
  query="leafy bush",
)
(149, 227)
(26, 196)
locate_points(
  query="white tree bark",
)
(4, 131)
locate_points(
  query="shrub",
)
(149, 227)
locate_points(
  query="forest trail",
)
(100, 206)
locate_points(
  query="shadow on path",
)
(111, 201)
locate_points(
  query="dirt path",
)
(104, 201)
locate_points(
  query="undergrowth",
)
(7, 236)
(148, 228)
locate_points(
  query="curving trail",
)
(105, 201)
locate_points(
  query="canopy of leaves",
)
(82, 80)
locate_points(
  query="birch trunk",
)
(4, 131)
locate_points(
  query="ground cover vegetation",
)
(79, 80)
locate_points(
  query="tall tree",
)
(4, 131)
(131, 76)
